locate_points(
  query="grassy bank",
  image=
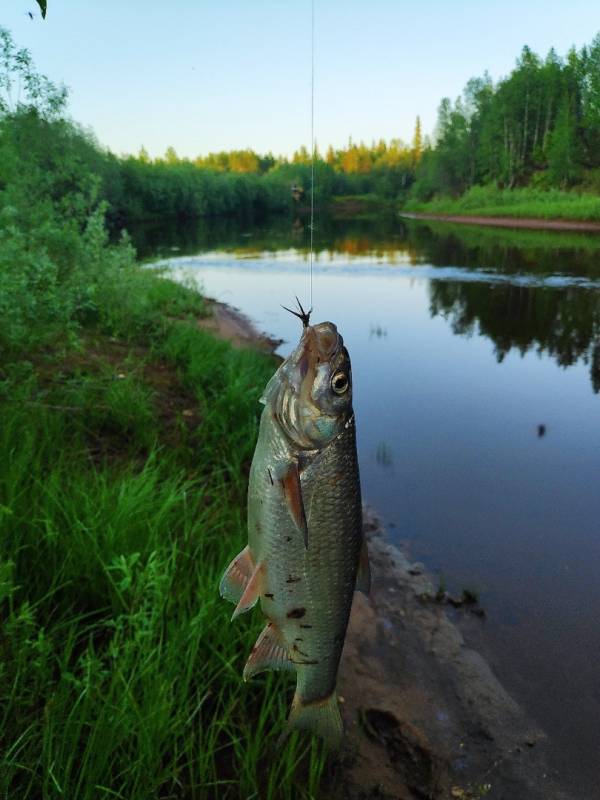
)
(124, 448)
(125, 443)
(522, 203)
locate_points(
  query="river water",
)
(476, 364)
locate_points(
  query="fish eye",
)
(339, 383)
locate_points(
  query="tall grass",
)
(527, 202)
(120, 672)
(125, 439)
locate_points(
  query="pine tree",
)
(417, 142)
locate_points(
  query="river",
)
(476, 364)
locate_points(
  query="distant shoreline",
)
(508, 222)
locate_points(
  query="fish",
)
(306, 551)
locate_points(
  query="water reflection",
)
(384, 455)
(378, 331)
(510, 252)
(524, 295)
(380, 237)
(564, 323)
(385, 238)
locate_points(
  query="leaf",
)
(43, 4)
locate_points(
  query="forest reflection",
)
(563, 323)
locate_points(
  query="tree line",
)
(538, 126)
(56, 157)
(246, 182)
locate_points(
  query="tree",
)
(171, 156)
(563, 150)
(417, 142)
(24, 89)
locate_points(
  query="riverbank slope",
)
(524, 207)
(508, 221)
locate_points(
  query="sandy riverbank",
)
(508, 222)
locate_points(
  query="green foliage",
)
(491, 201)
(66, 165)
(563, 149)
(246, 184)
(18, 77)
(540, 124)
(121, 671)
(125, 441)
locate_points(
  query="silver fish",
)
(306, 552)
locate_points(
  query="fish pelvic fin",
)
(251, 593)
(363, 578)
(236, 576)
(269, 653)
(321, 717)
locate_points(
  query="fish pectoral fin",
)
(236, 576)
(363, 578)
(252, 591)
(321, 717)
(269, 653)
(292, 490)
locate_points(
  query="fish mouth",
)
(295, 393)
(319, 345)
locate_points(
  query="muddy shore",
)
(426, 717)
(509, 222)
(424, 714)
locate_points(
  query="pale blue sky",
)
(205, 76)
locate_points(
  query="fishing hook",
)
(303, 315)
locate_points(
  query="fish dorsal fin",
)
(363, 578)
(269, 653)
(292, 490)
(252, 591)
(236, 577)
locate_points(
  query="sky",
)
(229, 74)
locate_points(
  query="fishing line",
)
(312, 143)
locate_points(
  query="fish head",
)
(310, 395)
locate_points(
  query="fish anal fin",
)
(363, 578)
(269, 653)
(321, 717)
(236, 576)
(292, 489)
(252, 591)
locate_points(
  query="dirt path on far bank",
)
(510, 222)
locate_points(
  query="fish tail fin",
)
(321, 717)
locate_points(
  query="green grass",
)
(120, 673)
(526, 202)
